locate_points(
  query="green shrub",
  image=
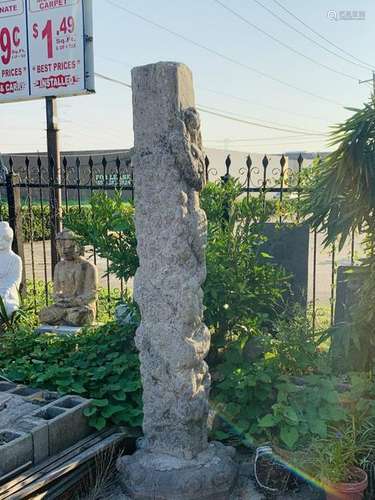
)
(244, 288)
(99, 363)
(108, 226)
(260, 404)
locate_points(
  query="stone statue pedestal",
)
(60, 330)
(175, 461)
(209, 476)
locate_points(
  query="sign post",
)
(46, 51)
(54, 175)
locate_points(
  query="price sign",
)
(14, 79)
(45, 48)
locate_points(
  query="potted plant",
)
(335, 462)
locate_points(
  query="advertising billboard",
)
(46, 49)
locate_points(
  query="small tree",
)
(108, 226)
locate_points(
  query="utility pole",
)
(370, 80)
(54, 175)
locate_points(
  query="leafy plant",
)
(100, 363)
(266, 406)
(296, 346)
(36, 222)
(108, 226)
(9, 324)
(332, 457)
(244, 287)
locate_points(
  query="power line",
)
(270, 11)
(99, 152)
(295, 129)
(320, 35)
(259, 139)
(113, 80)
(283, 44)
(232, 96)
(222, 56)
(247, 122)
(275, 108)
(266, 143)
(222, 114)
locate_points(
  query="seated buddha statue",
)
(75, 286)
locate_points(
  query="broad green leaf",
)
(289, 435)
(267, 421)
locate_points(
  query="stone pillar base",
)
(150, 476)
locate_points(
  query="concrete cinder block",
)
(43, 398)
(66, 422)
(32, 431)
(16, 449)
(26, 392)
(38, 429)
(7, 386)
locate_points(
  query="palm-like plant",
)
(339, 199)
(341, 194)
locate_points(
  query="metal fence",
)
(28, 200)
(30, 183)
(283, 181)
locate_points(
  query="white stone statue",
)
(10, 270)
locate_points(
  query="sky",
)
(226, 84)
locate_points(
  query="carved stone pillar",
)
(175, 460)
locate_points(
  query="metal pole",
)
(54, 172)
(370, 80)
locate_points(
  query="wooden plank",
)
(60, 487)
(15, 472)
(65, 468)
(34, 473)
(50, 464)
(42, 465)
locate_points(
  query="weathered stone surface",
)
(172, 338)
(75, 286)
(10, 270)
(3, 171)
(208, 476)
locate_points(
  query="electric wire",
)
(319, 34)
(223, 114)
(283, 44)
(226, 94)
(307, 37)
(222, 56)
